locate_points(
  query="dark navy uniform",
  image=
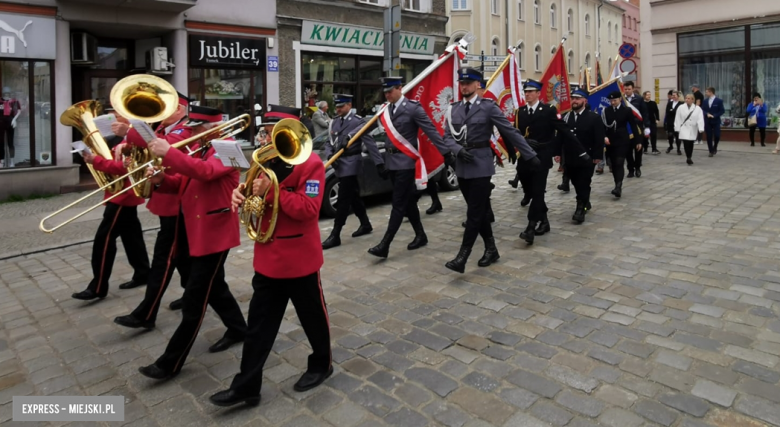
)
(618, 120)
(347, 167)
(634, 159)
(589, 130)
(408, 118)
(540, 125)
(469, 129)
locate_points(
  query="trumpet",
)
(292, 143)
(224, 130)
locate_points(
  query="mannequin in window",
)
(9, 111)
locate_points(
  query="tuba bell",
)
(150, 99)
(81, 116)
(292, 144)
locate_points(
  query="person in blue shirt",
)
(758, 109)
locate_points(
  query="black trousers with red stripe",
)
(266, 311)
(118, 221)
(163, 264)
(206, 286)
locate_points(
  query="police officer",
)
(589, 130)
(634, 158)
(287, 268)
(407, 118)
(617, 118)
(348, 166)
(468, 131)
(208, 230)
(539, 122)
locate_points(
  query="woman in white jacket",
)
(689, 123)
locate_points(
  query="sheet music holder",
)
(143, 129)
(103, 123)
(230, 153)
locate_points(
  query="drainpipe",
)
(598, 30)
(506, 21)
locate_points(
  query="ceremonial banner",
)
(555, 83)
(599, 79)
(614, 73)
(598, 100)
(506, 89)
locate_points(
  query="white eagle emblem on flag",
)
(439, 108)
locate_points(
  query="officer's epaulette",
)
(413, 101)
(454, 102)
(487, 100)
(357, 116)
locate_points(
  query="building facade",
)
(59, 52)
(329, 47)
(712, 43)
(631, 23)
(592, 29)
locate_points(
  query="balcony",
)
(175, 6)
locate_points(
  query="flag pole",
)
(451, 50)
(501, 67)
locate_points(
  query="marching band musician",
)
(120, 219)
(589, 130)
(469, 130)
(287, 268)
(207, 231)
(618, 119)
(165, 206)
(348, 167)
(540, 122)
(408, 118)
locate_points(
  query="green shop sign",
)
(327, 34)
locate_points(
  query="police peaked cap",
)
(579, 93)
(532, 85)
(468, 74)
(388, 83)
(342, 98)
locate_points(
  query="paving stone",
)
(714, 393)
(551, 413)
(483, 405)
(448, 415)
(578, 403)
(674, 360)
(552, 338)
(480, 382)
(534, 383)
(615, 417)
(323, 401)
(604, 338)
(759, 408)
(636, 349)
(518, 397)
(427, 339)
(606, 356)
(614, 395)
(698, 341)
(757, 357)
(756, 371)
(655, 412)
(374, 400)
(521, 419)
(433, 380)
(720, 374)
(685, 403)
(538, 350)
(572, 378)
(348, 414)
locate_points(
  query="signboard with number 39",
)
(273, 63)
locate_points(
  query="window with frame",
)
(609, 32)
(610, 65)
(553, 16)
(519, 10)
(587, 60)
(635, 26)
(537, 13)
(617, 36)
(494, 7)
(570, 21)
(374, 2)
(570, 61)
(460, 5)
(494, 47)
(520, 61)
(538, 58)
(414, 5)
(624, 21)
(587, 25)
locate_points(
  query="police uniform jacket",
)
(617, 122)
(473, 132)
(589, 130)
(205, 187)
(543, 127)
(409, 118)
(341, 131)
(295, 249)
(163, 204)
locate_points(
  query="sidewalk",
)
(19, 221)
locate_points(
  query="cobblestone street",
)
(662, 309)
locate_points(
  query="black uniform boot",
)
(383, 248)
(526, 200)
(528, 234)
(365, 228)
(565, 184)
(420, 239)
(334, 239)
(435, 207)
(618, 191)
(579, 213)
(491, 253)
(459, 263)
(544, 227)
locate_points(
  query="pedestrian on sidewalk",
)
(689, 123)
(671, 113)
(655, 118)
(757, 112)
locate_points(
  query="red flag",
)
(555, 83)
(435, 92)
(506, 89)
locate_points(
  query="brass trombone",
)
(292, 143)
(222, 131)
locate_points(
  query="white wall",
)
(62, 94)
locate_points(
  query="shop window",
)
(25, 120)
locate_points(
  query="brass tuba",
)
(291, 143)
(150, 99)
(81, 116)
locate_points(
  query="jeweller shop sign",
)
(23, 36)
(353, 36)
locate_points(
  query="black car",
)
(370, 181)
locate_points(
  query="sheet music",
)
(230, 153)
(79, 147)
(103, 124)
(143, 129)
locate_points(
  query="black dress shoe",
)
(679, 153)
(156, 373)
(382, 249)
(131, 284)
(419, 241)
(638, 172)
(130, 321)
(618, 191)
(87, 295)
(491, 253)
(436, 207)
(230, 398)
(630, 174)
(363, 230)
(459, 262)
(513, 183)
(544, 227)
(689, 161)
(526, 200)
(668, 150)
(223, 344)
(309, 380)
(656, 152)
(564, 187)
(528, 233)
(176, 304)
(331, 242)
